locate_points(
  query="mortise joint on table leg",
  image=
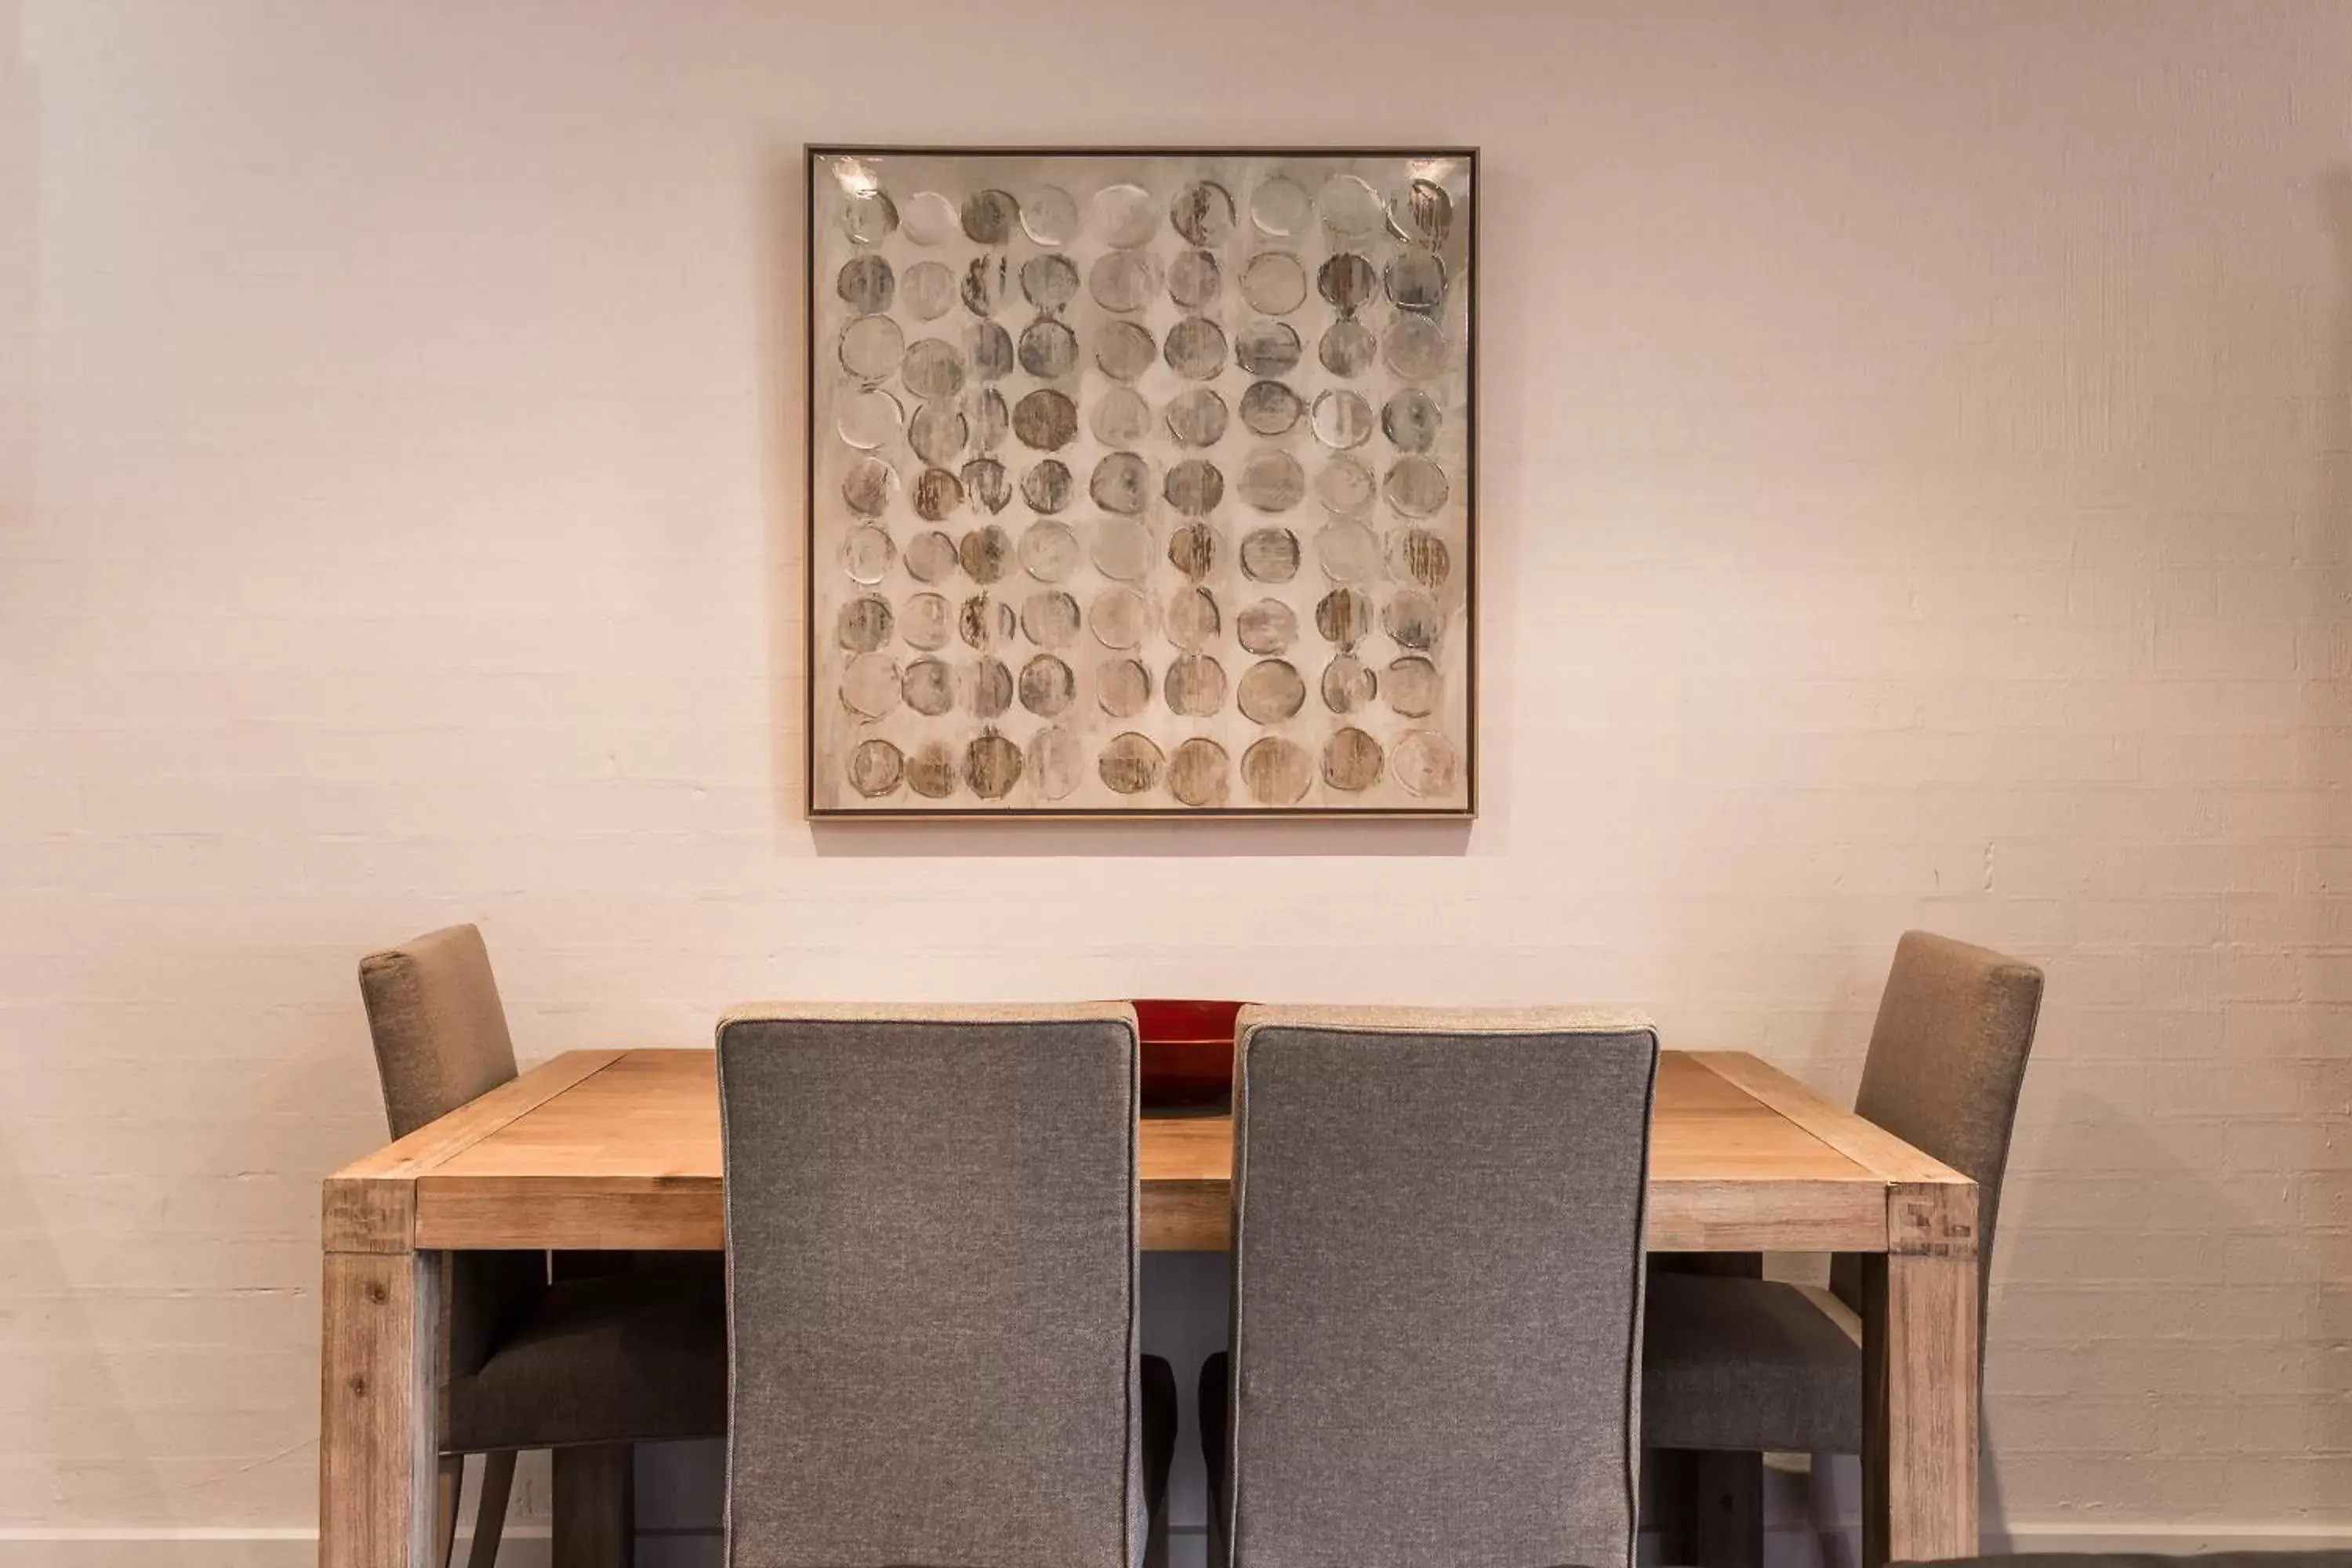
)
(367, 1213)
(1932, 1219)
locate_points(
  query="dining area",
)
(1489, 1268)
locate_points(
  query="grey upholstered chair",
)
(932, 1231)
(1437, 1289)
(1751, 1364)
(573, 1364)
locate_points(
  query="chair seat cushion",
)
(621, 1358)
(1746, 1365)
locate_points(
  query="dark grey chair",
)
(932, 1232)
(1751, 1364)
(579, 1365)
(1437, 1289)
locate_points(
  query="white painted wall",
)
(1916, 493)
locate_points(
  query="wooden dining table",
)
(620, 1149)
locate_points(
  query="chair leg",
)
(595, 1511)
(490, 1509)
(1722, 1522)
(449, 1481)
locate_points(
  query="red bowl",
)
(1187, 1054)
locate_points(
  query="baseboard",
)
(2171, 1540)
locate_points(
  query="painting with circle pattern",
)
(1141, 483)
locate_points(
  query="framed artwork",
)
(1141, 482)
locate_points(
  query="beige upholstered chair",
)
(931, 1233)
(1746, 1365)
(574, 1364)
(1438, 1231)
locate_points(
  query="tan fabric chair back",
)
(440, 1032)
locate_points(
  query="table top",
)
(621, 1149)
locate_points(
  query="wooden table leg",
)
(1919, 1390)
(596, 1518)
(376, 1447)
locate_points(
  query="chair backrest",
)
(440, 1032)
(1947, 1059)
(1438, 1232)
(932, 1223)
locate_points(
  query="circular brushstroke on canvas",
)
(1270, 408)
(1268, 626)
(1416, 486)
(937, 495)
(1197, 418)
(1044, 420)
(1272, 692)
(930, 687)
(1125, 216)
(1414, 686)
(875, 768)
(1130, 764)
(1049, 281)
(1274, 283)
(868, 217)
(864, 623)
(1047, 687)
(926, 621)
(1347, 347)
(1415, 280)
(1122, 687)
(871, 347)
(984, 622)
(1342, 420)
(1199, 773)
(868, 486)
(928, 290)
(1049, 618)
(866, 283)
(930, 557)
(1050, 216)
(1267, 348)
(1413, 619)
(870, 420)
(1050, 552)
(991, 216)
(1410, 420)
(983, 552)
(984, 484)
(932, 771)
(992, 766)
(870, 686)
(1123, 351)
(1270, 555)
(991, 351)
(1271, 480)
(868, 555)
(1350, 206)
(1348, 684)
(1421, 213)
(1057, 761)
(1047, 487)
(1121, 416)
(1194, 620)
(1194, 550)
(991, 420)
(1426, 765)
(1194, 279)
(1119, 617)
(1417, 348)
(1194, 487)
(984, 284)
(1347, 551)
(933, 369)
(1203, 213)
(1344, 486)
(937, 432)
(1346, 281)
(1121, 484)
(931, 218)
(1276, 772)
(987, 688)
(1419, 557)
(1195, 687)
(1280, 207)
(1352, 761)
(1122, 549)
(1195, 348)
(1344, 615)
(1049, 349)
(1124, 281)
